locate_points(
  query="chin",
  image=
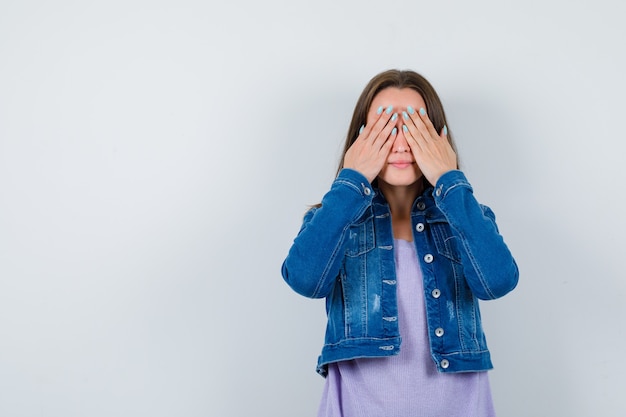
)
(400, 180)
(403, 183)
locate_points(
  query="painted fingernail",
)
(361, 129)
(445, 130)
(422, 111)
(394, 131)
(406, 129)
(388, 111)
(380, 110)
(410, 109)
(394, 117)
(406, 116)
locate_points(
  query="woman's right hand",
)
(368, 153)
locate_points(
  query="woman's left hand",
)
(432, 151)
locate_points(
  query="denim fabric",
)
(344, 253)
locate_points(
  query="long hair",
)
(398, 79)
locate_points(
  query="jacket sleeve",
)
(314, 260)
(490, 269)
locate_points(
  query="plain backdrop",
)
(156, 158)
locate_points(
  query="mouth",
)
(401, 164)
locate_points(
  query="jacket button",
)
(444, 364)
(428, 258)
(439, 332)
(419, 227)
(421, 205)
(367, 191)
(436, 293)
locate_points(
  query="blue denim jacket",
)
(344, 253)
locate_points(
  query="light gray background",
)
(156, 158)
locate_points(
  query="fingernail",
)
(406, 129)
(380, 110)
(361, 129)
(388, 111)
(445, 130)
(394, 117)
(406, 116)
(394, 131)
(410, 109)
(422, 111)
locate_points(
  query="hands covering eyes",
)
(431, 150)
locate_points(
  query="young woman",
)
(402, 251)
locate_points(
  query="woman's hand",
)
(432, 151)
(370, 150)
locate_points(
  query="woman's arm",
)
(315, 257)
(490, 269)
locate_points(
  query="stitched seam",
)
(330, 262)
(479, 273)
(456, 185)
(340, 243)
(349, 184)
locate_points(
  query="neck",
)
(401, 198)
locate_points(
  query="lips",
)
(401, 164)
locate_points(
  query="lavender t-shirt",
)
(406, 385)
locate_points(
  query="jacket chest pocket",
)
(446, 243)
(360, 238)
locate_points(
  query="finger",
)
(392, 138)
(410, 134)
(373, 129)
(420, 125)
(387, 145)
(362, 134)
(410, 128)
(365, 131)
(444, 132)
(385, 130)
(384, 117)
(433, 134)
(422, 122)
